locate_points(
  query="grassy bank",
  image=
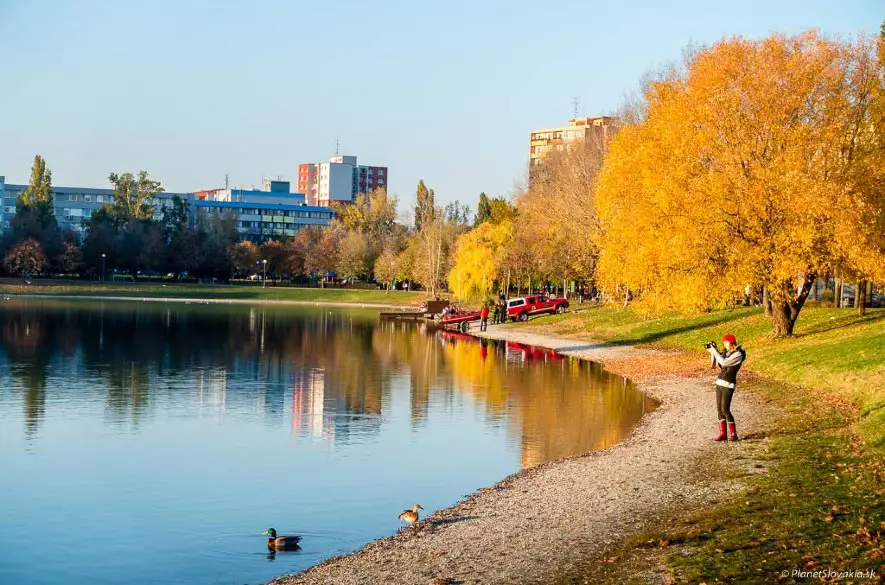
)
(821, 504)
(833, 351)
(217, 292)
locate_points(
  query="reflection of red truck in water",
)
(455, 336)
(520, 351)
(532, 353)
(521, 308)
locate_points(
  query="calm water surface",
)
(153, 443)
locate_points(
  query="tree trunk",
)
(860, 297)
(837, 293)
(782, 320)
(766, 301)
(784, 313)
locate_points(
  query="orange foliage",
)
(761, 165)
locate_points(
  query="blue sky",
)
(445, 91)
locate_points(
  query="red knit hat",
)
(730, 338)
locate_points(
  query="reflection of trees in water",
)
(128, 346)
(266, 354)
(558, 409)
(400, 344)
(556, 406)
(128, 389)
(28, 346)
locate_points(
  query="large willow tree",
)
(760, 165)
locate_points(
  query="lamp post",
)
(103, 256)
(264, 282)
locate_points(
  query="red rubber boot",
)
(721, 436)
(732, 432)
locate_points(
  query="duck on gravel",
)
(410, 516)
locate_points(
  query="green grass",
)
(244, 292)
(822, 505)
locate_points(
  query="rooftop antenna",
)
(336, 147)
(575, 103)
(226, 181)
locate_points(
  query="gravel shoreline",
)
(549, 520)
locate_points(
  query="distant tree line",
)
(126, 234)
(131, 235)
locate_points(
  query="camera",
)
(710, 344)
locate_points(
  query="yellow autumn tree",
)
(478, 259)
(760, 165)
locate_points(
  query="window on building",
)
(99, 198)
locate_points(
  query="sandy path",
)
(548, 519)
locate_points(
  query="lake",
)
(154, 442)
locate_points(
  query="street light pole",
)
(264, 283)
(103, 256)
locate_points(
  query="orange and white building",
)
(341, 179)
(547, 140)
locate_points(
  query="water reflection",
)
(315, 365)
(557, 417)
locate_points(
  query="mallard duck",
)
(275, 542)
(410, 516)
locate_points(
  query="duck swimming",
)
(410, 516)
(275, 542)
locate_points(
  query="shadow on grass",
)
(841, 322)
(584, 347)
(655, 336)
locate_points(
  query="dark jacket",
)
(729, 365)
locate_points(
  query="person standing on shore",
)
(484, 317)
(729, 362)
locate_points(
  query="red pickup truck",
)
(520, 308)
